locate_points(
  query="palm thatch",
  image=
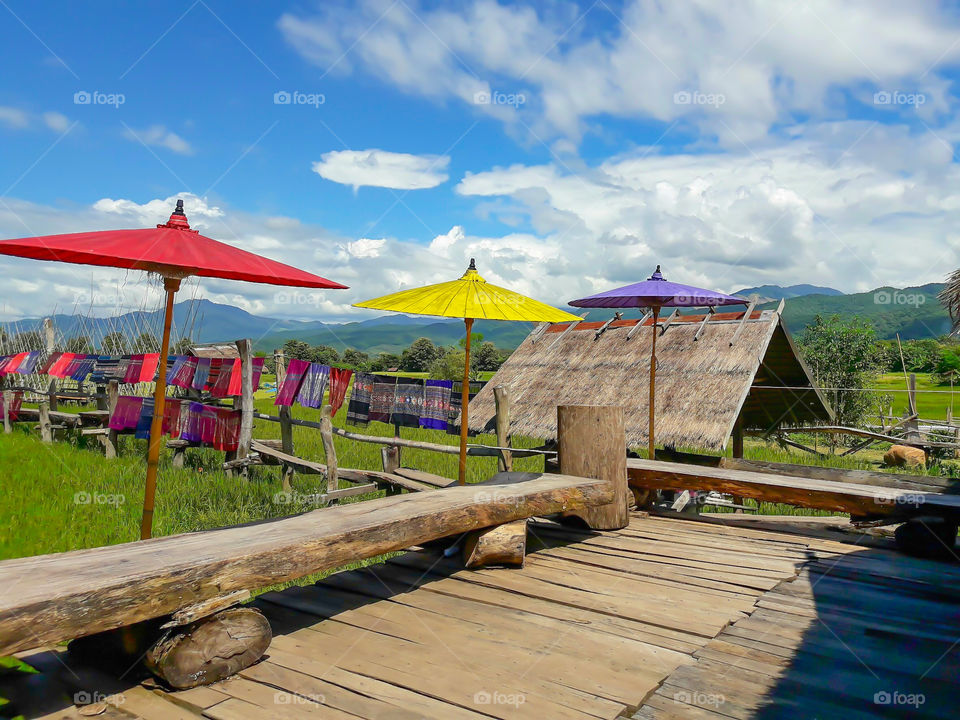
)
(703, 385)
(950, 298)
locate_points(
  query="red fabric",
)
(236, 379)
(171, 418)
(166, 250)
(221, 387)
(13, 363)
(226, 434)
(149, 369)
(51, 361)
(60, 366)
(15, 403)
(216, 364)
(339, 382)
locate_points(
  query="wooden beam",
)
(67, 595)
(501, 545)
(245, 348)
(7, 401)
(329, 450)
(286, 428)
(46, 434)
(710, 311)
(743, 320)
(634, 329)
(603, 328)
(668, 321)
(501, 398)
(592, 443)
(839, 429)
(567, 329)
(859, 500)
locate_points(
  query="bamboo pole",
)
(464, 401)
(329, 449)
(170, 285)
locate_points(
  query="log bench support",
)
(500, 545)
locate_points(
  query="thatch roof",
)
(950, 298)
(703, 385)
(215, 350)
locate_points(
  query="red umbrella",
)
(174, 251)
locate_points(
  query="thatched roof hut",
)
(950, 298)
(216, 350)
(708, 376)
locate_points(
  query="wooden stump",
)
(592, 443)
(499, 545)
(210, 649)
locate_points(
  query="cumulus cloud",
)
(379, 168)
(735, 69)
(17, 119)
(160, 136)
(13, 117)
(56, 121)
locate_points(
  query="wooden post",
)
(49, 341)
(464, 402)
(391, 458)
(7, 400)
(110, 449)
(737, 451)
(246, 400)
(502, 399)
(592, 443)
(286, 427)
(46, 432)
(651, 452)
(329, 450)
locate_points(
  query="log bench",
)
(69, 595)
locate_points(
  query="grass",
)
(933, 400)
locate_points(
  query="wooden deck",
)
(667, 618)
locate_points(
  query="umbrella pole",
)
(653, 378)
(464, 401)
(170, 285)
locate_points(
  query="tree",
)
(948, 365)
(296, 349)
(844, 356)
(183, 346)
(29, 340)
(113, 343)
(487, 357)
(324, 354)
(384, 361)
(79, 344)
(450, 366)
(146, 343)
(419, 356)
(475, 340)
(355, 359)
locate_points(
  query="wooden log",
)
(210, 649)
(501, 545)
(46, 434)
(206, 608)
(839, 429)
(592, 443)
(110, 448)
(329, 450)
(49, 342)
(391, 458)
(501, 397)
(859, 500)
(67, 595)
(7, 401)
(245, 348)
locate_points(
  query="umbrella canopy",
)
(468, 297)
(174, 251)
(656, 292)
(471, 298)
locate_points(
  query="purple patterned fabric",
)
(313, 385)
(291, 383)
(126, 414)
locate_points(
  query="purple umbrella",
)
(655, 293)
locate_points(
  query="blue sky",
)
(569, 147)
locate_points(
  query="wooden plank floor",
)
(667, 618)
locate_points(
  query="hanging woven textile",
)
(226, 434)
(291, 382)
(201, 374)
(358, 411)
(407, 402)
(146, 418)
(82, 368)
(339, 382)
(29, 363)
(436, 404)
(313, 385)
(148, 369)
(13, 411)
(126, 413)
(257, 363)
(50, 362)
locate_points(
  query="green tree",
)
(948, 365)
(113, 343)
(296, 349)
(324, 354)
(487, 357)
(146, 343)
(419, 356)
(384, 361)
(475, 340)
(79, 344)
(450, 366)
(355, 359)
(183, 346)
(844, 356)
(29, 340)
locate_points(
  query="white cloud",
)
(766, 60)
(366, 247)
(159, 136)
(13, 117)
(379, 168)
(56, 121)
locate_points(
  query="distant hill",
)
(913, 312)
(778, 292)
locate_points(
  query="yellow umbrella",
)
(471, 298)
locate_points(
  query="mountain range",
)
(912, 312)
